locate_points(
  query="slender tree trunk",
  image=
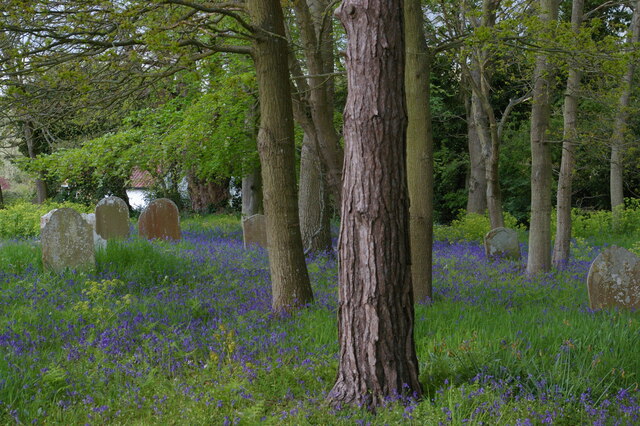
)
(252, 193)
(570, 116)
(315, 223)
(317, 39)
(375, 314)
(622, 118)
(1, 199)
(477, 193)
(419, 151)
(41, 185)
(486, 125)
(539, 258)
(289, 278)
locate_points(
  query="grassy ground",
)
(181, 333)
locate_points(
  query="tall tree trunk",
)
(313, 204)
(622, 117)
(485, 119)
(252, 193)
(419, 151)
(41, 185)
(207, 196)
(317, 41)
(1, 199)
(289, 278)
(375, 314)
(570, 132)
(539, 258)
(477, 192)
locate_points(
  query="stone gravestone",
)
(614, 279)
(67, 241)
(112, 218)
(160, 219)
(90, 218)
(254, 230)
(502, 242)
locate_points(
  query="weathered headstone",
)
(502, 243)
(112, 218)
(160, 219)
(90, 218)
(254, 230)
(67, 241)
(614, 279)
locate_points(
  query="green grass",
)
(181, 333)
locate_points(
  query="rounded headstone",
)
(502, 243)
(112, 218)
(614, 279)
(254, 230)
(160, 219)
(67, 241)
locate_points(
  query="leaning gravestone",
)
(614, 279)
(254, 230)
(112, 218)
(67, 241)
(160, 219)
(502, 242)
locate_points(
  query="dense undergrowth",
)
(182, 333)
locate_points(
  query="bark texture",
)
(539, 258)
(207, 196)
(313, 199)
(562, 243)
(622, 117)
(252, 194)
(419, 151)
(375, 315)
(477, 191)
(289, 277)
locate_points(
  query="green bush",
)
(22, 219)
(472, 227)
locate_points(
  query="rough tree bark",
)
(419, 150)
(622, 117)
(375, 314)
(289, 278)
(252, 194)
(570, 116)
(539, 258)
(313, 200)
(206, 195)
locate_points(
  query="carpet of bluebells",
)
(182, 333)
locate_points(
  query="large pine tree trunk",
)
(622, 117)
(570, 116)
(539, 258)
(375, 315)
(419, 151)
(313, 204)
(276, 147)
